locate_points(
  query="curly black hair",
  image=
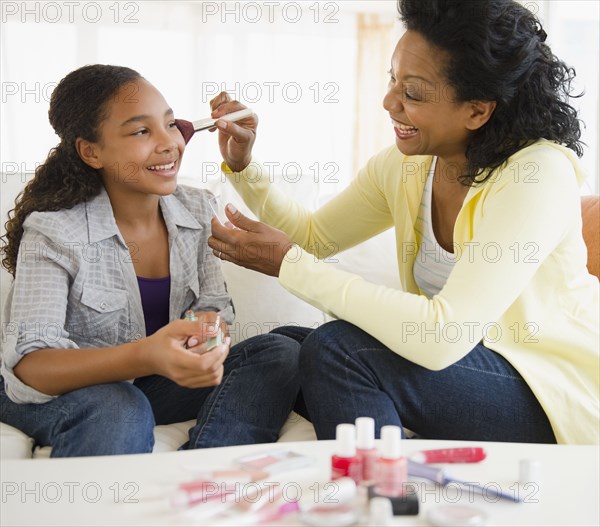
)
(78, 106)
(496, 52)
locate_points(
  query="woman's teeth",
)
(162, 167)
(405, 130)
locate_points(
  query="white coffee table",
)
(133, 490)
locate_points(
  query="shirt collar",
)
(102, 224)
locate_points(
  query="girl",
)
(107, 253)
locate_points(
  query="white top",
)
(433, 263)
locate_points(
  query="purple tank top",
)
(155, 302)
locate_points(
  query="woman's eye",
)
(392, 79)
(411, 94)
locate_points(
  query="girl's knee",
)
(117, 406)
(103, 419)
(271, 346)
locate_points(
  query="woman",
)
(108, 253)
(494, 335)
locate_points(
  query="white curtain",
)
(376, 36)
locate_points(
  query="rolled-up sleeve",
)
(35, 311)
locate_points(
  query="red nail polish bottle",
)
(365, 448)
(345, 462)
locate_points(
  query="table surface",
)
(136, 490)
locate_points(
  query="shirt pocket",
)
(104, 314)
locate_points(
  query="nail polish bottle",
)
(365, 448)
(345, 462)
(190, 315)
(391, 474)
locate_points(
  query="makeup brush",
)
(438, 475)
(189, 128)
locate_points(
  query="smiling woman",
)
(485, 169)
(108, 251)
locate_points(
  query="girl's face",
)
(421, 103)
(140, 148)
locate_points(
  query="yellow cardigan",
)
(520, 283)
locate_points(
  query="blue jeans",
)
(259, 389)
(345, 373)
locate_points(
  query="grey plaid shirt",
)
(76, 286)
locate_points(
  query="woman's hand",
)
(178, 351)
(251, 244)
(235, 139)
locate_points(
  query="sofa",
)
(261, 304)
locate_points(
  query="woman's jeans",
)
(345, 373)
(258, 390)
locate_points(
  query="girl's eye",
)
(140, 132)
(172, 124)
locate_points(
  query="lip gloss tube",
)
(450, 455)
(345, 462)
(223, 485)
(365, 448)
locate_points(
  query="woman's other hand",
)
(251, 244)
(235, 139)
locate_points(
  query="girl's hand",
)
(235, 139)
(192, 367)
(207, 320)
(251, 244)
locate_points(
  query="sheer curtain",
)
(377, 37)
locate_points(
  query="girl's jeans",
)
(259, 389)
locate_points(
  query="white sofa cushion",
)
(167, 437)
(14, 444)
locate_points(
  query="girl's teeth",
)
(162, 167)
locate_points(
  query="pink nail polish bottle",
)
(365, 448)
(345, 462)
(391, 472)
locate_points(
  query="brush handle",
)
(420, 470)
(205, 124)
